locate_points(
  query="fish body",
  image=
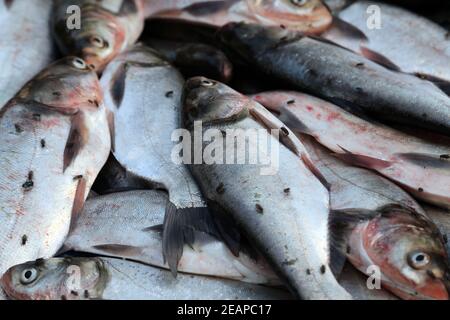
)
(54, 139)
(106, 28)
(26, 45)
(139, 214)
(115, 279)
(418, 165)
(381, 209)
(425, 53)
(309, 16)
(341, 76)
(284, 213)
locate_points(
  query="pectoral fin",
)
(77, 139)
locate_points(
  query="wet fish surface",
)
(54, 139)
(273, 210)
(129, 224)
(369, 213)
(26, 45)
(107, 28)
(341, 76)
(115, 279)
(418, 165)
(425, 53)
(310, 16)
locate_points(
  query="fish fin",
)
(427, 160)
(379, 58)
(112, 128)
(442, 84)
(76, 140)
(349, 30)
(117, 90)
(78, 201)
(119, 250)
(340, 224)
(362, 160)
(180, 225)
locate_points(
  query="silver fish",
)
(143, 92)
(283, 212)
(115, 279)
(368, 213)
(126, 225)
(341, 76)
(54, 139)
(419, 165)
(26, 45)
(413, 43)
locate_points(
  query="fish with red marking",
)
(54, 139)
(308, 16)
(107, 28)
(420, 166)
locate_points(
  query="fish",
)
(129, 224)
(26, 44)
(375, 223)
(106, 28)
(143, 92)
(282, 211)
(343, 77)
(418, 165)
(99, 278)
(425, 53)
(307, 16)
(54, 139)
(194, 59)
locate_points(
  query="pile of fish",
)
(120, 124)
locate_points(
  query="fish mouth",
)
(433, 290)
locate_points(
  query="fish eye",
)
(299, 3)
(98, 42)
(79, 63)
(419, 260)
(28, 276)
(207, 83)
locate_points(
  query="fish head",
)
(210, 101)
(99, 39)
(310, 16)
(55, 279)
(67, 84)
(410, 253)
(251, 40)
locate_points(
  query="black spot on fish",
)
(220, 188)
(323, 269)
(360, 64)
(308, 272)
(24, 240)
(259, 209)
(291, 102)
(86, 294)
(169, 94)
(42, 143)
(420, 189)
(79, 177)
(36, 117)
(63, 297)
(445, 238)
(56, 93)
(445, 156)
(289, 262)
(282, 26)
(8, 3)
(359, 89)
(284, 131)
(18, 128)
(74, 293)
(287, 190)
(28, 185)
